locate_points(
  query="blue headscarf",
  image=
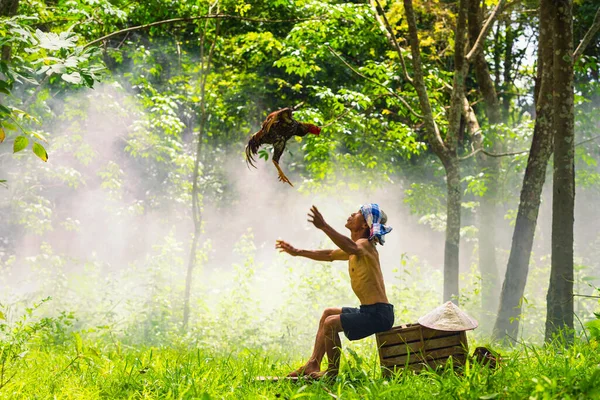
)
(376, 219)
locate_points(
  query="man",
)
(375, 313)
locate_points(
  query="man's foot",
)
(298, 372)
(306, 369)
(327, 374)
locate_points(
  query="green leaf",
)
(73, 77)
(20, 143)
(52, 41)
(594, 328)
(40, 151)
(9, 125)
(4, 110)
(89, 81)
(39, 136)
(2, 135)
(2, 316)
(263, 154)
(78, 343)
(4, 87)
(595, 323)
(489, 396)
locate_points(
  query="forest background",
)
(130, 220)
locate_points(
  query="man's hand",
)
(285, 247)
(316, 218)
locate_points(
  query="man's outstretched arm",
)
(343, 242)
(317, 255)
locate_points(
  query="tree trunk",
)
(508, 65)
(497, 57)
(196, 211)
(488, 267)
(189, 276)
(8, 8)
(451, 250)
(513, 288)
(560, 292)
(450, 159)
(490, 289)
(445, 148)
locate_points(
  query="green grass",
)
(96, 371)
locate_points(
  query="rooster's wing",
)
(279, 117)
(283, 117)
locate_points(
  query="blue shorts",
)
(361, 322)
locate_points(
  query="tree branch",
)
(471, 154)
(484, 31)
(587, 140)
(472, 124)
(587, 38)
(387, 29)
(435, 139)
(586, 295)
(297, 106)
(516, 153)
(337, 118)
(487, 153)
(480, 66)
(190, 19)
(376, 83)
(35, 93)
(510, 5)
(348, 108)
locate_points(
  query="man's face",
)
(356, 221)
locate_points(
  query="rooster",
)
(277, 129)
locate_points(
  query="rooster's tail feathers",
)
(251, 150)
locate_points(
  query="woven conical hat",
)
(448, 317)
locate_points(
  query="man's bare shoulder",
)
(365, 246)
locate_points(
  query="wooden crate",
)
(414, 346)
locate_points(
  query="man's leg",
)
(314, 362)
(333, 346)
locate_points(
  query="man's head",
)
(375, 220)
(356, 223)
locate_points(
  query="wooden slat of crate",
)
(415, 346)
(425, 356)
(418, 366)
(399, 334)
(409, 333)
